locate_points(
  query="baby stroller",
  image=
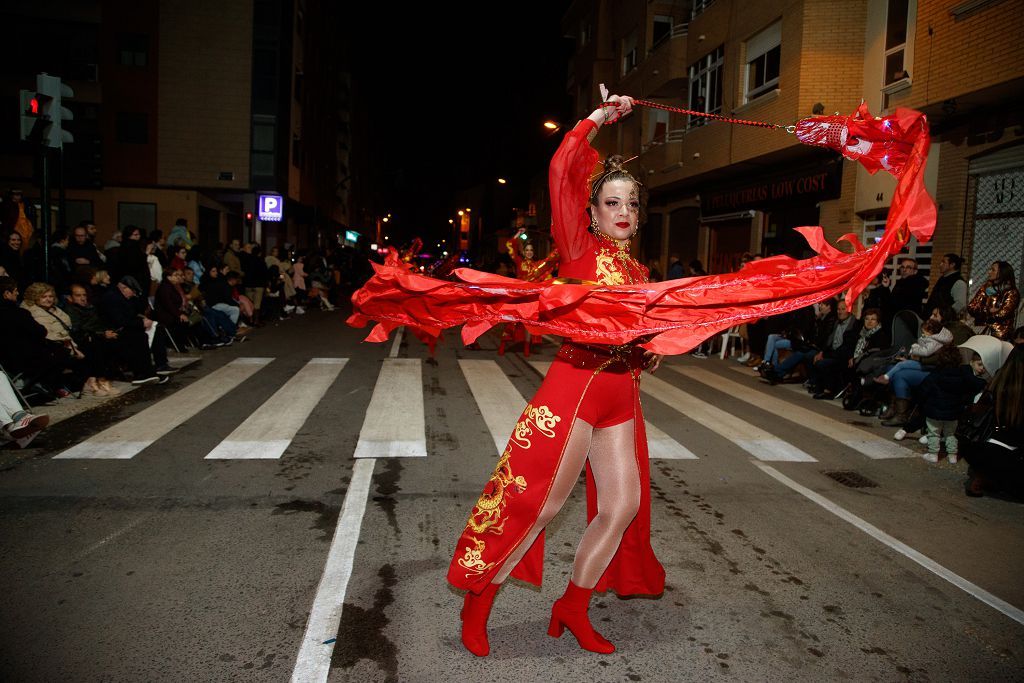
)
(870, 398)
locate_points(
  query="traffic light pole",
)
(62, 221)
(44, 207)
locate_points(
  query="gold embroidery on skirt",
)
(472, 560)
(486, 515)
(540, 417)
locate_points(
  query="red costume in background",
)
(614, 305)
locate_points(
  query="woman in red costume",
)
(531, 270)
(587, 410)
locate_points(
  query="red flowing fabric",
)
(675, 316)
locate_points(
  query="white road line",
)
(125, 439)
(660, 446)
(313, 662)
(931, 565)
(397, 343)
(753, 440)
(499, 401)
(394, 425)
(268, 432)
(871, 445)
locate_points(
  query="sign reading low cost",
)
(271, 207)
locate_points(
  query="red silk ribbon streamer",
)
(675, 316)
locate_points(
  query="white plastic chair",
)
(733, 333)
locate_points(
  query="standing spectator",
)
(195, 263)
(285, 267)
(60, 265)
(299, 281)
(254, 279)
(180, 235)
(232, 259)
(994, 306)
(155, 266)
(156, 238)
(911, 288)
(16, 218)
(950, 290)
(676, 271)
(82, 252)
(945, 393)
(10, 258)
(879, 297)
(697, 269)
(131, 257)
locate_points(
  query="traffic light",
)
(30, 114)
(50, 91)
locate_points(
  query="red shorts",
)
(609, 397)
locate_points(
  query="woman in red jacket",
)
(586, 411)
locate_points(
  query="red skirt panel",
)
(512, 500)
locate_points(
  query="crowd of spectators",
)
(77, 315)
(915, 360)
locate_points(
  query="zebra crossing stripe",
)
(269, 431)
(127, 438)
(754, 440)
(871, 445)
(499, 401)
(660, 446)
(394, 425)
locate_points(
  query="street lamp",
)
(461, 212)
(502, 181)
(552, 125)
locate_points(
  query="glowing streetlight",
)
(551, 125)
(502, 181)
(468, 209)
(461, 212)
(385, 219)
(451, 221)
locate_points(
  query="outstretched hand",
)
(623, 105)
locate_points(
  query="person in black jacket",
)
(804, 343)
(833, 358)
(997, 459)
(911, 289)
(118, 311)
(218, 294)
(11, 261)
(131, 262)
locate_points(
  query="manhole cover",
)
(855, 480)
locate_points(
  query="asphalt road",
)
(168, 566)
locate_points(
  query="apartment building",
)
(718, 190)
(193, 110)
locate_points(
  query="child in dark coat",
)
(945, 393)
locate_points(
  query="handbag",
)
(978, 423)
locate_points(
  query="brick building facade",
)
(717, 191)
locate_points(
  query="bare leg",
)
(613, 462)
(565, 479)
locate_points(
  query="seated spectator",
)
(16, 423)
(118, 311)
(952, 322)
(997, 458)
(195, 262)
(945, 394)
(933, 338)
(832, 361)
(179, 258)
(804, 343)
(92, 336)
(217, 293)
(40, 301)
(24, 348)
(994, 306)
(171, 306)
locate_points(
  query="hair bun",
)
(614, 162)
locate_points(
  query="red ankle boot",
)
(571, 611)
(475, 610)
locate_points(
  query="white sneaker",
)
(900, 434)
(952, 458)
(923, 440)
(300, 310)
(289, 308)
(744, 358)
(699, 354)
(931, 457)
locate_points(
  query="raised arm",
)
(569, 178)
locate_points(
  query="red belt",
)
(624, 358)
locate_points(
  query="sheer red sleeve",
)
(513, 252)
(569, 184)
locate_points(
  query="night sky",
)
(456, 99)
